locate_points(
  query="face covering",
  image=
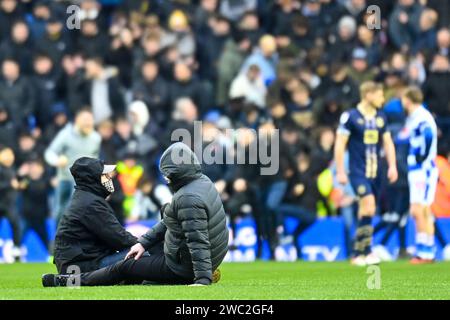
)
(108, 184)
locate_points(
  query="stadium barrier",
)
(323, 241)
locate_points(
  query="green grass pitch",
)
(258, 280)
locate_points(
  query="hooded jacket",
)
(88, 230)
(194, 225)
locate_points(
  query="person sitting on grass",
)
(89, 236)
(186, 247)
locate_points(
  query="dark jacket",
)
(18, 97)
(88, 230)
(436, 90)
(194, 226)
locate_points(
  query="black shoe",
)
(55, 280)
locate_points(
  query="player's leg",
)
(422, 190)
(367, 212)
(364, 231)
(422, 220)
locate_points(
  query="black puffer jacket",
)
(194, 226)
(88, 230)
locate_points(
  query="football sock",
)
(422, 240)
(363, 238)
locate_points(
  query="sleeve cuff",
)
(145, 243)
(343, 131)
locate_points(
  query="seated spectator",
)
(265, 57)
(249, 85)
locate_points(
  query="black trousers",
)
(14, 221)
(151, 268)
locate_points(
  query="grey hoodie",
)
(70, 143)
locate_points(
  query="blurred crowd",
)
(136, 70)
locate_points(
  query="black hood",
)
(180, 165)
(87, 174)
